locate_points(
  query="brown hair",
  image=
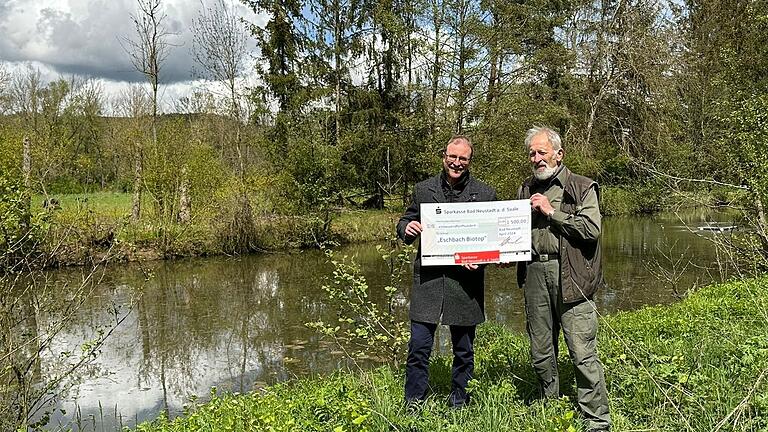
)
(462, 138)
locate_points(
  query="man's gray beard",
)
(546, 174)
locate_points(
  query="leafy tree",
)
(281, 46)
(745, 141)
(723, 63)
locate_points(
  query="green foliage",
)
(163, 163)
(678, 358)
(617, 169)
(83, 228)
(206, 173)
(747, 141)
(357, 226)
(337, 404)
(364, 328)
(617, 201)
(501, 158)
(280, 41)
(20, 229)
(10, 147)
(240, 228)
(304, 173)
(14, 212)
(644, 198)
(81, 236)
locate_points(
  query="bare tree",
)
(133, 102)
(24, 97)
(219, 47)
(148, 51)
(59, 120)
(21, 94)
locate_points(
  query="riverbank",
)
(96, 227)
(699, 365)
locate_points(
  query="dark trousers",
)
(417, 365)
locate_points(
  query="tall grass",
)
(699, 365)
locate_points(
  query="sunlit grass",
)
(364, 225)
(112, 204)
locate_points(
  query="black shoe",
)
(454, 403)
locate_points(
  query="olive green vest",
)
(581, 272)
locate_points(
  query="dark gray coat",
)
(451, 291)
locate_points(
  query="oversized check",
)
(475, 232)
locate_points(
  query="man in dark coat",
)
(452, 295)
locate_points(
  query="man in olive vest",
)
(564, 274)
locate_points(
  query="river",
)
(238, 323)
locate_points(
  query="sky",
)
(86, 38)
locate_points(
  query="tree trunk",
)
(185, 213)
(27, 170)
(337, 59)
(136, 208)
(409, 60)
(462, 51)
(437, 24)
(238, 131)
(493, 75)
(461, 86)
(27, 162)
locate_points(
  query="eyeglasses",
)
(453, 158)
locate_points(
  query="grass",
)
(95, 226)
(110, 204)
(699, 365)
(364, 225)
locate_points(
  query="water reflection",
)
(238, 323)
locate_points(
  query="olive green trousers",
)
(545, 316)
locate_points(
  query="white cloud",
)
(86, 37)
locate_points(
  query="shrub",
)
(20, 230)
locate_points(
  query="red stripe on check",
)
(476, 257)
